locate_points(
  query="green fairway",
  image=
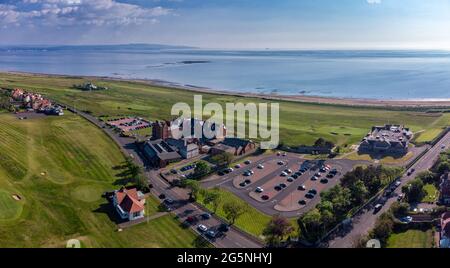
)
(60, 167)
(411, 239)
(252, 222)
(299, 123)
(9, 208)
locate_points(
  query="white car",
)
(283, 174)
(260, 166)
(407, 219)
(202, 228)
(280, 163)
(398, 183)
(259, 190)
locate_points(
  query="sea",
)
(360, 74)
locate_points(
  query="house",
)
(388, 139)
(445, 189)
(445, 230)
(129, 203)
(235, 146)
(186, 148)
(165, 129)
(160, 153)
(161, 130)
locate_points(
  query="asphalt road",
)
(233, 238)
(363, 223)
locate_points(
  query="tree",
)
(277, 229)
(195, 188)
(201, 169)
(340, 197)
(414, 191)
(443, 167)
(214, 198)
(321, 142)
(225, 158)
(311, 226)
(383, 227)
(427, 176)
(233, 210)
(400, 209)
(142, 183)
(359, 192)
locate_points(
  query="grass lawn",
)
(60, 166)
(252, 222)
(411, 239)
(388, 160)
(432, 193)
(299, 123)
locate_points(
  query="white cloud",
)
(77, 12)
(372, 2)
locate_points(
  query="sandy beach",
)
(416, 103)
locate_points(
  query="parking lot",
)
(283, 183)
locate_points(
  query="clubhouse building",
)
(387, 140)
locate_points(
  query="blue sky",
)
(286, 24)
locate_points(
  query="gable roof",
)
(129, 200)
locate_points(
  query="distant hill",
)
(93, 47)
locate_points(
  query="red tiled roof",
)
(129, 200)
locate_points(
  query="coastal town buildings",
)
(160, 153)
(388, 140)
(22, 99)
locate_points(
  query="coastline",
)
(416, 103)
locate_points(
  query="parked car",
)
(211, 234)
(333, 171)
(206, 216)
(400, 197)
(260, 166)
(237, 166)
(280, 163)
(290, 179)
(283, 185)
(313, 191)
(243, 184)
(330, 176)
(377, 208)
(259, 190)
(265, 197)
(248, 162)
(248, 181)
(283, 174)
(302, 202)
(202, 228)
(301, 188)
(192, 219)
(278, 188)
(288, 171)
(173, 171)
(224, 227)
(324, 181)
(278, 153)
(169, 201)
(310, 196)
(398, 183)
(314, 178)
(284, 154)
(407, 219)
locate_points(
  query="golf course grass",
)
(300, 123)
(411, 239)
(59, 167)
(252, 222)
(9, 208)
